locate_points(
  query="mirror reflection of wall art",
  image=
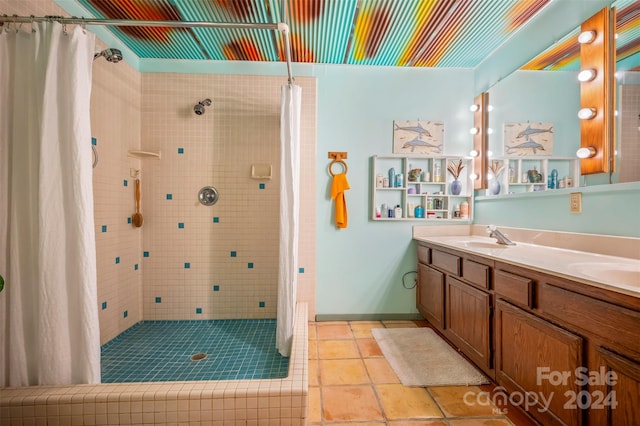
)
(418, 137)
(525, 139)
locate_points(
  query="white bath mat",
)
(421, 358)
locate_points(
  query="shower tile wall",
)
(629, 128)
(219, 261)
(115, 124)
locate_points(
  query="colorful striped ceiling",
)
(565, 54)
(414, 33)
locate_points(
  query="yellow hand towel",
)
(338, 187)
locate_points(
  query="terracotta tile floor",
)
(351, 383)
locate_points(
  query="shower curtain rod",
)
(280, 26)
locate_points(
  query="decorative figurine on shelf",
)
(414, 175)
(455, 170)
(495, 171)
(534, 176)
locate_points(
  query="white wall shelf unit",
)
(431, 189)
(515, 177)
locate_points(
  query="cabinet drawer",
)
(614, 323)
(423, 254)
(445, 261)
(514, 288)
(476, 273)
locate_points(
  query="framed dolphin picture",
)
(527, 139)
(418, 137)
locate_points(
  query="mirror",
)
(546, 90)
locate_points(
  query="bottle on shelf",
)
(437, 173)
(397, 212)
(464, 210)
(456, 211)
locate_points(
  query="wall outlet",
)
(575, 202)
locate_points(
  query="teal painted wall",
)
(360, 268)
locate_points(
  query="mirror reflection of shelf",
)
(532, 174)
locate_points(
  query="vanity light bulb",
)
(489, 154)
(587, 75)
(473, 176)
(474, 130)
(586, 152)
(587, 113)
(474, 107)
(490, 176)
(489, 108)
(586, 37)
(489, 130)
(474, 153)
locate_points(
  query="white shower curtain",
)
(291, 97)
(48, 308)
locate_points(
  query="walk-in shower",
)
(110, 54)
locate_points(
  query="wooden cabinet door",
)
(619, 397)
(530, 355)
(468, 318)
(430, 295)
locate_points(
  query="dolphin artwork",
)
(529, 131)
(418, 129)
(420, 143)
(529, 144)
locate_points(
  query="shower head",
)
(111, 55)
(199, 107)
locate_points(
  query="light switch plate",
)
(575, 202)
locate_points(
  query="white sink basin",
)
(619, 273)
(482, 244)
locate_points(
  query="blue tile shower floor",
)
(160, 351)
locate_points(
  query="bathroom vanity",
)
(558, 329)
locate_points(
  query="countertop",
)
(618, 274)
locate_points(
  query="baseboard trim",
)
(368, 317)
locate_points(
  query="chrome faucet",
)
(499, 236)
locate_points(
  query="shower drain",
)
(198, 356)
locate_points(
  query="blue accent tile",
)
(216, 219)
(158, 299)
(125, 314)
(117, 260)
(125, 183)
(135, 267)
(301, 270)
(94, 141)
(216, 288)
(104, 305)
(104, 228)
(261, 304)
(145, 253)
(169, 196)
(262, 186)
(198, 310)
(180, 150)
(181, 225)
(250, 265)
(233, 254)
(129, 220)
(187, 265)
